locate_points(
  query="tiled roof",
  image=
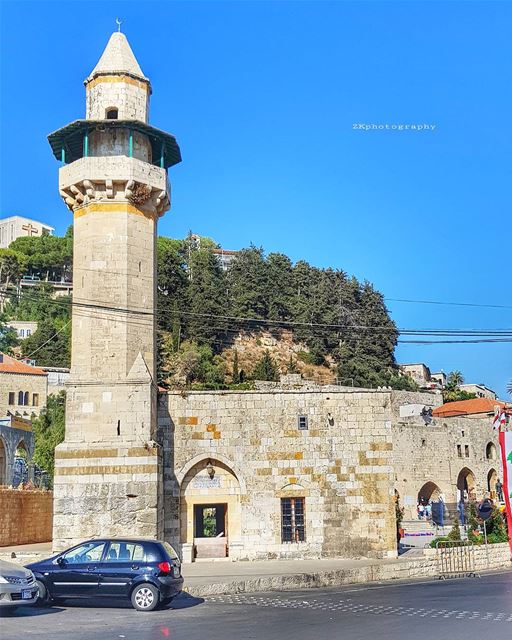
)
(467, 407)
(11, 365)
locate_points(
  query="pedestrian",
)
(441, 510)
(462, 515)
(499, 490)
(428, 510)
(420, 509)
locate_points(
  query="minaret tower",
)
(108, 470)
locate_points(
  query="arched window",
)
(26, 400)
(490, 451)
(20, 397)
(111, 113)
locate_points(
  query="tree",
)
(50, 344)
(49, 431)
(265, 369)
(8, 338)
(235, 377)
(509, 388)
(12, 267)
(454, 380)
(247, 284)
(47, 257)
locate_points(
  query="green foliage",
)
(457, 394)
(235, 376)
(50, 345)
(455, 530)
(454, 380)
(265, 369)
(8, 338)
(292, 366)
(49, 431)
(439, 539)
(12, 266)
(47, 257)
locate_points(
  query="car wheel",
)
(43, 599)
(145, 597)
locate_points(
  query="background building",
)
(23, 328)
(17, 226)
(23, 388)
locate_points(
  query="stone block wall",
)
(341, 465)
(26, 516)
(442, 453)
(16, 382)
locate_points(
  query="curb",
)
(372, 573)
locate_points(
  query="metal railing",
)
(455, 558)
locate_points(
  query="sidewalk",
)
(214, 577)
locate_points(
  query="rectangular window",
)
(12, 397)
(22, 333)
(459, 451)
(125, 552)
(292, 520)
(35, 400)
(302, 423)
(466, 450)
(29, 331)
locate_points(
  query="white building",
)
(480, 390)
(15, 227)
(23, 328)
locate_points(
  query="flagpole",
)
(505, 440)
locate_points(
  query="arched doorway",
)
(466, 484)
(210, 509)
(490, 451)
(492, 478)
(429, 491)
(3, 463)
(20, 465)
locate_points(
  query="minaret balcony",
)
(110, 178)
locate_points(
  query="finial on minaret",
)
(119, 23)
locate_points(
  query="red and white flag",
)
(506, 459)
(500, 419)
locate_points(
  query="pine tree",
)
(248, 284)
(266, 369)
(236, 373)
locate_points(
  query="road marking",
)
(347, 605)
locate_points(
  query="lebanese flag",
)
(506, 459)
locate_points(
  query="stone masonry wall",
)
(341, 465)
(438, 452)
(16, 382)
(26, 516)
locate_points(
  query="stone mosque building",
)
(290, 471)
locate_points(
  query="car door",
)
(122, 563)
(76, 571)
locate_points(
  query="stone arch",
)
(466, 484)
(3, 462)
(210, 507)
(180, 475)
(429, 491)
(490, 451)
(492, 477)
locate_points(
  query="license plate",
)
(26, 594)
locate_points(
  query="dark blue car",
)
(148, 572)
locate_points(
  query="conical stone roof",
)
(118, 57)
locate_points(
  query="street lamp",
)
(210, 470)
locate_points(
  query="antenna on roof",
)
(119, 23)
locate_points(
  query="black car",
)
(148, 572)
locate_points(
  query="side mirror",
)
(61, 561)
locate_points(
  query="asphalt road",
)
(460, 609)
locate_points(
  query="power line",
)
(452, 304)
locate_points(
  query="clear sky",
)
(262, 97)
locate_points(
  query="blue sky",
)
(262, 97)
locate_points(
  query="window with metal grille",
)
(292, 520)
(302, 423)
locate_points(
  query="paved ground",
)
(462, 609)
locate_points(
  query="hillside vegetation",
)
(262, 317)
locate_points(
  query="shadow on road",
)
(25, 612)
(184, 601)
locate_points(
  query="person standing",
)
(499, 490)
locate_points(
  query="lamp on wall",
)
(210, 470)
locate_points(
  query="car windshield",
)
(88, 552)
